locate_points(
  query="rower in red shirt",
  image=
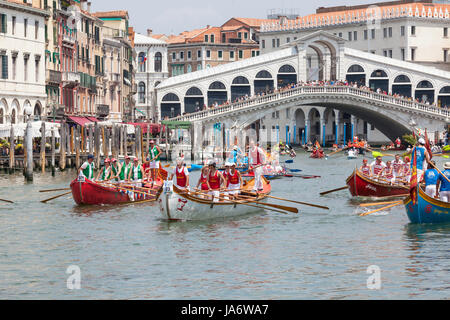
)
(182, 175)
(234, 181)
(365, 168)
(215, 180)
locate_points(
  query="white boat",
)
(352, 155)
(179, 205)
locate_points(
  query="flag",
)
(413, 186)
(427, 145)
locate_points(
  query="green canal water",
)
(128, 252)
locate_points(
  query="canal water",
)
(128, 252)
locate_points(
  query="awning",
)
(93, 119)
(19, 129)
(82, 121)
(154, 127)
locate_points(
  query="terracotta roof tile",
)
(111, 14)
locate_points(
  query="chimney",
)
(149, 32)
(89, 7)
(208, 26)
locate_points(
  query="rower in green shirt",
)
(105, 173)
(154, 154)
(125, 170)
(115, 170)
(136, 173)
(87, 168)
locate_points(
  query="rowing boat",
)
(361, 185)
(87, 192)
(427, 209)
(181, 205)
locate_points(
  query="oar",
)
(378, 203)
(381, 209)
(334, 190)
(8, 201)
(61, 195)
(294, 170)
(337, 151)
(130, 190)
(290, 209)
(243, 203)
(298, 202)
(243, 172)
(53, 190)
(439, 171)
(304, 176)
(289, 161)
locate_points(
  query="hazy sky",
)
(175, 16)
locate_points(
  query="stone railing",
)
(300, 92)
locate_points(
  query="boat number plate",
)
(168, 185)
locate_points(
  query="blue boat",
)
(195, 167)
(427, 209)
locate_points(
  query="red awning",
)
(82, 121)
(93, 119)
(154, 127)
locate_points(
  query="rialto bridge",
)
(329, 113)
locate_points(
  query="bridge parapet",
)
(305, 91)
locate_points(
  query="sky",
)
(175, 16)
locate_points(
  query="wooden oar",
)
(334, 190)
(381, 209)
(243, 172)
(240, 202)
(337, 151)
(290, 209)
(53, 190)
(378, 203)
(8, 201)
(130, 190)
(304, 176)
(293, 201)
(61, 195)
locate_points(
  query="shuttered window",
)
(4, 64)
(3, 24)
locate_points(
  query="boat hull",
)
(427, 209)
(90, 193)
(362, 186)
(175, 206)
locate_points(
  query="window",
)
(445, 32)
(413, 54)
(402, 51)
(3, 23)
(212, 38)
(25, 69)
(199, 54)
(141, 91)
(245, 35)
(445, 55)
(14, 67)
(385, 53)
(355, 35)
(288, 40)
(181, 55)
(263, 44)
(278, 43)
(141, 59)
(199, 67)
(366, 35)
(390, 32)
(231, 55)
(349, 36)
(208, 53)
(158, 62)
(239, 35)
(240, 54)
(402, 31)
(384, 32)
(340, 34)
(372, 34)
(13, 25)
(25, 27)
(273, 43)
(189, 68)
(413, 30)
(220, 54)
(189, 55)
(206, 38)
(4, 66)
(36, 29)
(174, 56)
(390, 53)
(36, 70)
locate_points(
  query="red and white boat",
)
(361, 185)
(87, 192)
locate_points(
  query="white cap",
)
(422, 141)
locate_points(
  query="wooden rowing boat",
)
(364, 186)
(180, 205)
(427, 209)
(87, 192)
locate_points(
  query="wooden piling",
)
(224, 154)
(53, 152)
(29, 148)
(12, 148)
(141, 145)
(97, 145)
(91, 140)
(43, 161)
(192, 133)
(62, 146)
(77, 147)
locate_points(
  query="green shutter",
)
(4, 67)
(4, 23)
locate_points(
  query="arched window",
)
(141, 92)
(157, 83)
(170, 97)
(189, 68)
(217, 85)
(142, 59)
(286, 69)
(402, 79)
(199, 67)
(194, 91)
(445, 90)
(355, 69)
(3, 110)
(424, 85)
(264, 75)
(13, 116)
(1, 115)
(240, 80)
(379, 74)
(37, 112)
(158, 62)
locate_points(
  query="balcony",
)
(70, 79)
(52, 76)
(102, 110)
(68, 39)
(114, 78)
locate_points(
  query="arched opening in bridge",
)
(444, 97)
(356, 74)
(402, 86)
(217, 94)
(314, 122)
(347, 127)
(263, 82)
(193, 100)
(379, 80)
(240, 87)
(425, 92)
(170, 106)
(300, 122)
(286, 76)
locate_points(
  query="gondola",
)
(427, 209)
